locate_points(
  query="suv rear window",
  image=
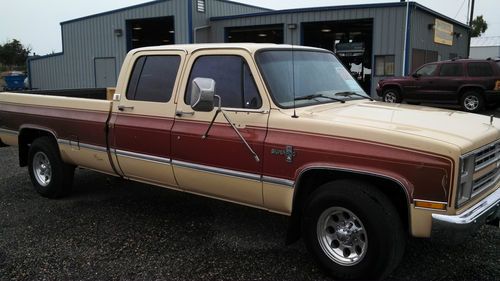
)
(451, 69)
(479, 69)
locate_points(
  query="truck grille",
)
(483, 163)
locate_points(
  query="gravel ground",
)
(110, 229)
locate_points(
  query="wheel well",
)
(470, 88)
(26, 138)
(313, 179)
(395, 87)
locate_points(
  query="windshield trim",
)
(256, 58)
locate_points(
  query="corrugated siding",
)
(388, 28)
(91, 38)
(216, 8)
(423, 38)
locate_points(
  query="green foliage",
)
(13, 55)
(479, 26)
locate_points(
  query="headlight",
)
(464, 191)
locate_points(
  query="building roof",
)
(148, 4)
(485, 41)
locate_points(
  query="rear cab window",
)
(153, 78)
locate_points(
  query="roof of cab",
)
(250, 47)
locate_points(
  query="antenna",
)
(292, 27)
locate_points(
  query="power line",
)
(460, 9)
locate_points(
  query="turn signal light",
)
(497, 86)
(430, 205)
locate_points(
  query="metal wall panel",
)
(216, 8)
(388, 28)
(91, 37)
(422, 36)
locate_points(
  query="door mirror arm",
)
(202, 99)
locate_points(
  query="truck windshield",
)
(303, 78)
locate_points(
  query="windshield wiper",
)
(310, 97)
(346, 94)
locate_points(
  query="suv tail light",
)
(497, 86)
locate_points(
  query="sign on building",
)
(443, 32)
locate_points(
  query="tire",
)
(339, 207)
(51, 177)
(472, 101)
(392, 95)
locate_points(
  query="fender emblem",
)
(288, 152)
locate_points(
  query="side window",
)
(479, 69)
(451, 69)
(153, 78)
(233, 80)
(427, 70)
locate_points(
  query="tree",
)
(479, 26)
(14, 54)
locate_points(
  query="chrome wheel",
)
(42, 168)
(342, 236)
(390, 97)
(471, 103)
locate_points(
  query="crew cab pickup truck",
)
(276, 127)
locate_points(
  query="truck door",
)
(221, 165)
(142, 120)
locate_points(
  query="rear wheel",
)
(472, 101)
(392, 95)
(51, 177)
(353, 231)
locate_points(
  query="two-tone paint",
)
(415, 148)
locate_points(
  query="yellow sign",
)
(443, 32)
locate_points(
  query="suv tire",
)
(472, 101)
(392, 95)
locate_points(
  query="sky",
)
(37, 23)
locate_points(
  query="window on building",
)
(200, 6)
(153, 78)
(427, 70)
(234, 82)
(384, 65)
(421, 57)
(451, 69)
(479, 69)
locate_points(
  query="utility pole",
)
(470, 27)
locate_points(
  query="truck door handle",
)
(123, 108)
(180, 113)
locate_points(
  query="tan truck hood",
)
(466, 131)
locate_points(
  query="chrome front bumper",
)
(455, 229)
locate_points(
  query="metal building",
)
(485, 47)
(94, 47)
(373, 40)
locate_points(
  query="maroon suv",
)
(471, 83)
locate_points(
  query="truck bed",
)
(69, 120)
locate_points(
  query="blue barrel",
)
(14, 82)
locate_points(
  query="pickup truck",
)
(276, 127)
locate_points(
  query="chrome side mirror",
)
(202, 94)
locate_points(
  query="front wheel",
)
(51, 177)
(392, 95)
(353, 231)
